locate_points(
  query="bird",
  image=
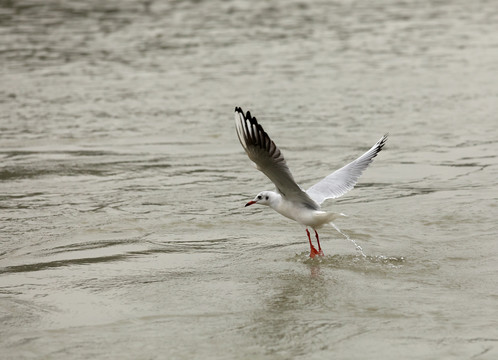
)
(289, 199)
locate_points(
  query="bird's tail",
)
(327, 218)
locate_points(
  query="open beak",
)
(250, 203)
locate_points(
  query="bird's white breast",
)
(298, 212)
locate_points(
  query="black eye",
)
(259, 197)
(267, 198)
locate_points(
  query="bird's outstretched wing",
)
(268, 158)
(341, 181)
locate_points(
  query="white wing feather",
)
(343, 180)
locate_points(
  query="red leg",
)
(320, 252)
(313, 251)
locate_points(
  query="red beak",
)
(250, 203)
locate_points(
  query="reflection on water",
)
(122, 182)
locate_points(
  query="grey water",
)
(123, 231)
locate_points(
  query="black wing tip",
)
(380, 144)
(261, 138)
(247, 116)
(384, 138)
(383, 141)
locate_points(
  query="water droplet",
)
(358, 247)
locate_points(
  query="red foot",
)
(320, 252)
(314, 252)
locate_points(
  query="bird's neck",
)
(283, 206)
(275, 200)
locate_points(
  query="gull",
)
(289, 199)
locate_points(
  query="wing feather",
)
(343, 180)
(268, 158)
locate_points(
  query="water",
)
(122, 183)
(358, 248)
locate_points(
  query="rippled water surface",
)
(122, 183)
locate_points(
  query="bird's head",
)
(263, 198)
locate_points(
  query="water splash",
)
(358, 247)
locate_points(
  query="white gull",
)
(290, 200)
